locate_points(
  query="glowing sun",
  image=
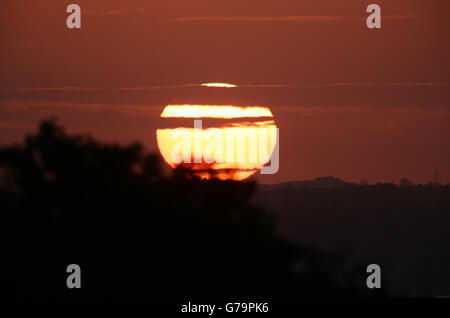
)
(224, 142)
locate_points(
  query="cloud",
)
(375, 84)
(377, 119)
(361, 110)
(383, 119)
(297, 18)
(267, 86)
(155, 110)
(265, 19)
(91, 88)
(113, 12)
(348, 84)
(146, 88)
(271, 85)
(57, 88)
(43, 106)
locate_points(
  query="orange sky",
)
(350, 102)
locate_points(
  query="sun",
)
(217, 141)
(219, 85)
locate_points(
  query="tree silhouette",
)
(135, 231)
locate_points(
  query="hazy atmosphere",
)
(350, 102)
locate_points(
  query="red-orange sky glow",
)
(350, 102)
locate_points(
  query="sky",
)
(351, 102)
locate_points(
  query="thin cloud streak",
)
(266, 19)
(113, 12)
(155, 110)
(302, 18)
(91, 88)
(202, 85)
(60, 88)
(26, 106)
(149, 88)
(330, 111)
(344, 84)
(374, 84)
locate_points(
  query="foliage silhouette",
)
(136, 231)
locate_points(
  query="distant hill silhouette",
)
(403, 228)
(328, 182)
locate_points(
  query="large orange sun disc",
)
(239, 143)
